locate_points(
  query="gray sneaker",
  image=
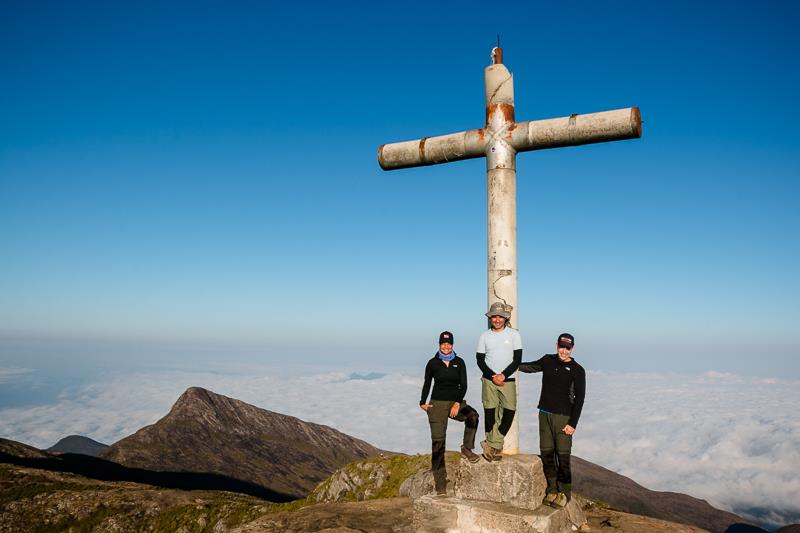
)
(469, 455)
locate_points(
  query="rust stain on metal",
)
(506, 109)
(422, 148)
(380, 157)
(636, 121)
(508, 112)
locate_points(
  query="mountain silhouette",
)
(206, 432)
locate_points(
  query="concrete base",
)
(517, 480)
(436, 514)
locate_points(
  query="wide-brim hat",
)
(498, 309)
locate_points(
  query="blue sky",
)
(192, 186)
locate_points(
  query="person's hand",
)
(425, 406)
(454, 409)
(498, 379)
(569, 430)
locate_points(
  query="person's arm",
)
(510, 369)
(485, 370)
(426, 387)
(462, 375)
(579, 388)
(532, 366)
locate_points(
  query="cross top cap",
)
(497, 55)
(498, 309)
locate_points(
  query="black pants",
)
(438, 415)
(556, 449)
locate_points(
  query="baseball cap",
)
(566, 340)
(445, 337)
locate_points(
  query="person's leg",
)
(437, 418)
(508, 403)
(470, 417)
(491, 406)
(547, 448)
(563, 454)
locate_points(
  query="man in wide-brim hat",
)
(499, 354)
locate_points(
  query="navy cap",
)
(565, 340)
(445, 337)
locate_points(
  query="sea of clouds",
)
(731, 440)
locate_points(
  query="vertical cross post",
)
(499, 141)
(501, 201)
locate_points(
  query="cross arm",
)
(616, 125)
(432, 150)
(574, 130)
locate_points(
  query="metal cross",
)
(499, 141)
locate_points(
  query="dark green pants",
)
(556, 448)
(438, 415)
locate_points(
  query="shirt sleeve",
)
(485, 370)
(517, 341)
(426, 387)
(510, 369)
(462, 374)
(482, 343)
(532, 366)
(579, 389)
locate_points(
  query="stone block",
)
(517, 480)
(434, 514)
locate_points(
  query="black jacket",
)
(563, 386)
(449, 381)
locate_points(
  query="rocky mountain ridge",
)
(211, 433)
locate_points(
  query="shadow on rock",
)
(101, 469)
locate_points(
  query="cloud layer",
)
(731, 440)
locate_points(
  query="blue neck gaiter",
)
(446, 357)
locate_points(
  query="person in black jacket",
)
(560, 405)
(449, 375)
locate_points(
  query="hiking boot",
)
(560, 500)
(490, 453)
(470, 456)
(549, 498)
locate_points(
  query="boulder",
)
(516, 480)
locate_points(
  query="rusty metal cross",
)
(499, 141)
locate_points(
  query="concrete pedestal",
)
(497, 497)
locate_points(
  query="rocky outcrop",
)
(210, 433)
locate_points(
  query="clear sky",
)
(190, 185)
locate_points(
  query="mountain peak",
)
(78, 444)
(208, 432)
